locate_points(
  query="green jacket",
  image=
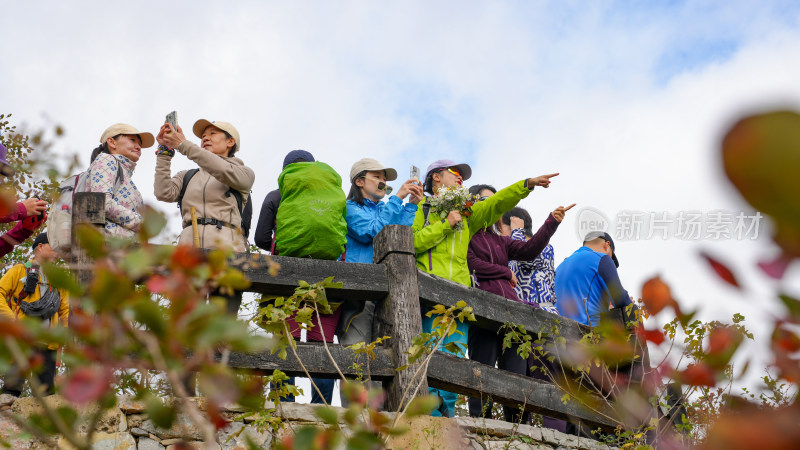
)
(442, 251)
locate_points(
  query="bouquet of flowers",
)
(453, 198)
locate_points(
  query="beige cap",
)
(202, 124)
(123, 128)
(370, 164)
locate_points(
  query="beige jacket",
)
(206, 192)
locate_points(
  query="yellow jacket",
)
(11, 285)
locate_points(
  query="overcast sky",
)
(627, 100)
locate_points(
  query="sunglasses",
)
(480, 199)
(454, 171)
(381, 185)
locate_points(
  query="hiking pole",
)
(195, 232)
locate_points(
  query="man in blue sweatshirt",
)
(587, 282)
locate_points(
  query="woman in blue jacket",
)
(366, 217)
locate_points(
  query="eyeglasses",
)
(381, 185)
(480, 199)
(454, 171)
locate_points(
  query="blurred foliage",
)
(143, 326)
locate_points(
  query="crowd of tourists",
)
(487, 243)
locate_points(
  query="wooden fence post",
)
(399, 316)
(87, 207)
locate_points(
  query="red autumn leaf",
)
(36, 361)
(785, 340)
(187, 257)
(776, 268)
(215, 416)
(656, 295)
(699, 375)
(157, 284)
(654, 336)
(80, 322)
(721, 339)
(87, 384)
(13, 329)
(722, 271)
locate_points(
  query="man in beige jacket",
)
(210, 189)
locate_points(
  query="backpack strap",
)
(239, 199)
(186, 178)
(426, 212)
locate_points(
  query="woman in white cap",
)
(218, 190)
(366, 217)
(110, 172)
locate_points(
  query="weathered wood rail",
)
(400, 291)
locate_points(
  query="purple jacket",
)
(489, 254)
(17, 234)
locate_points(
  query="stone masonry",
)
(127, 427)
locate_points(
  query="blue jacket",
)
(588, 281)
(364, 222)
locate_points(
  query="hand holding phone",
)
(415, 174)
(172, 119)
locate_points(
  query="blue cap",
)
(294, 155)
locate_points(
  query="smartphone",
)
(172, 119)
(415, 173)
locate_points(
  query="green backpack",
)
(311, 216)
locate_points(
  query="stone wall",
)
(127, 427)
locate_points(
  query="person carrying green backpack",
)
(310, 223)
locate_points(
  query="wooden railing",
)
(400, 290)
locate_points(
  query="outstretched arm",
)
(528, 251)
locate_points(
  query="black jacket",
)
(266, 220)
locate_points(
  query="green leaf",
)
(234, 279)
(137, 263)
(304, 438)
(792, 304)
(218, 384)
(91, 239)
(68, 415)
(364, 440)
(151, 315)
(162, 416)
(62, 278)
(109, 289)
(422, 405)
(152, 223)
(327, 415)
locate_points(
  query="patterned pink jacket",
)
(123, 199)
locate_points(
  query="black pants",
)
(14, 382)
(542, 369)
(485, 347)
